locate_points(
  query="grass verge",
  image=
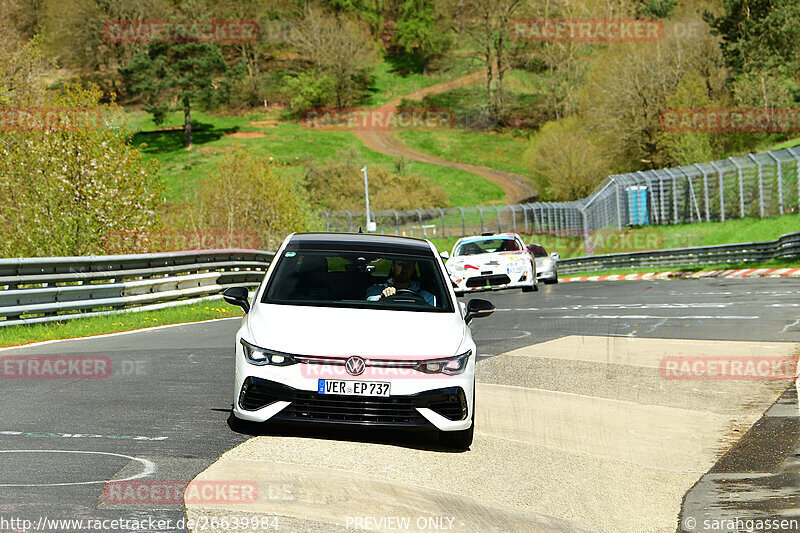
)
(85, 327)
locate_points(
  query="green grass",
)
(84, 327)
(488, 149)
(287, 142)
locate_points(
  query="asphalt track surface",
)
(163, 412)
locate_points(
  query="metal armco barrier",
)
(48, 289)
(51, 289)
(787, 246)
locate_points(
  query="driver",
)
(400, 275)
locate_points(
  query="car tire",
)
(460, 440)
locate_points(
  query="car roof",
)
(488, 237)
(360, 242)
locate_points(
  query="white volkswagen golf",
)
(357, 329)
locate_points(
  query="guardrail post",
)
(481, 212)
(760, 184)
(780, 181)
(463, 223)
(741, 187)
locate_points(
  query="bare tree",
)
(335, 45)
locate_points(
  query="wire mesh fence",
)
(755, 185)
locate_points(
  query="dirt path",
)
(518, 188)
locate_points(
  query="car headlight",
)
(261, 356)
(450, 365)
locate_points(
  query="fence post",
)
(463, 223)
(760, 184)
(587, 249)
(441, 212)
(721, 192)
(499, 227)
(481, 212)
(705, 190)
(349, 221)
(513, 217)
(396, 222)
(780, 181)
(797, 160)
(661, 198)
(619, 208)
(327, 221)
(421, 231)
(525, 216)
(741, 187)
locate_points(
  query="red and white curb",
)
(741, 273)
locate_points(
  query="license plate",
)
(352, 388)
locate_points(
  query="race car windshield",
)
(357, 280)
(537, 251)
(488, 245)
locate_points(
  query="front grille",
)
(363, 410)
(394, 410)
(483, 281)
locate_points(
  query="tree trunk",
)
(187, 123)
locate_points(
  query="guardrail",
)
(786, 246)
(48, 289)
(51, 289)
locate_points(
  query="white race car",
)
(493, 261)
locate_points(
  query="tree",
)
(761, 46)
(419, 30)
(75, 34)
(564, 163)
(335, 46)
(193, 73)
(628, 86)
(273, 207)
(486, 24)
(64, 190)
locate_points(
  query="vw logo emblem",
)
(355, 366)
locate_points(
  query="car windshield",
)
(537, 251)
(357, 280)
(487, 245)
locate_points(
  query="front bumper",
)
(289, 394)
(491, 280)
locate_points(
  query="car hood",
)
(341, 332)
(501, 258)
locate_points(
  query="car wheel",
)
(460, 440)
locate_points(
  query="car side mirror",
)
(555, 256)
(445, 254)
(478, 309)
(237, 296)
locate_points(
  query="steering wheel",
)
(408, 293)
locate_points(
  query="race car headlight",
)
(450, 366)
(261, 356)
